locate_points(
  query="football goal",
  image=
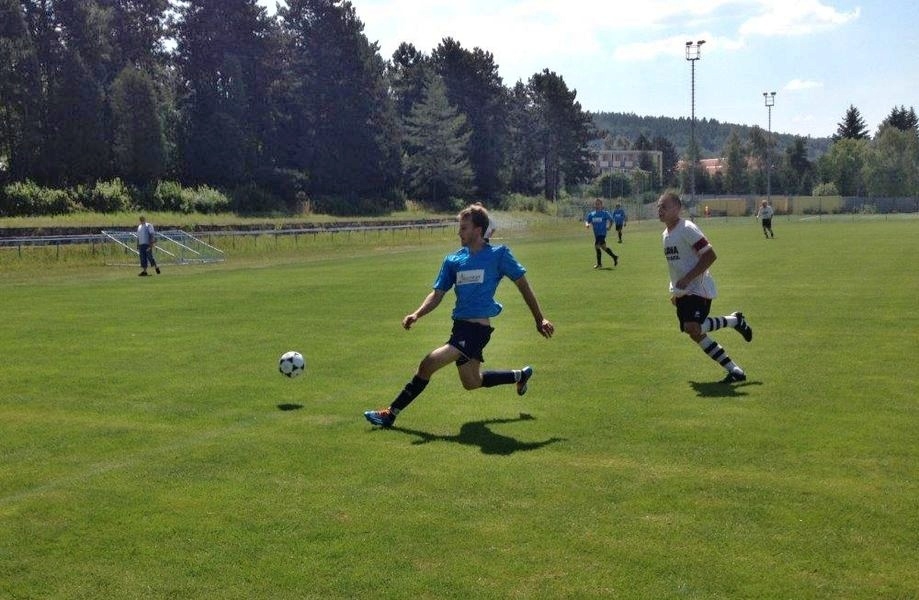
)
(172, 246)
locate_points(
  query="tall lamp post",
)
(769, 98)
(693, 53)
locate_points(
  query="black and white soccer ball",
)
(291, 364)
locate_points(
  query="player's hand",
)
(545, 328)
(409, 320)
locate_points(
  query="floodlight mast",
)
(769, 98)
(693, 53)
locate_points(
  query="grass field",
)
(150, 449)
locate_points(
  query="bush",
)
(826, 189)
(168, 196)
(26, 198)
(205, 200)
(109, 196)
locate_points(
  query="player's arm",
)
(706, 259)
(430, 302)
(543, 325)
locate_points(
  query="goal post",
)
(172, 246)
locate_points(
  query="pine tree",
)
(436, 139)
(852, 126)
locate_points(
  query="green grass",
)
(145, 454)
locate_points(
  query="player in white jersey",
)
(765, 215)
(692, 289)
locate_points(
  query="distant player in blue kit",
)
(619, 219)
(474, 272)
(600, 219)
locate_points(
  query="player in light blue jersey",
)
(600, 220)
(473, 272)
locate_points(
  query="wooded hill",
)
(711, 134)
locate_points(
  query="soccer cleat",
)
(143, 274)
(382, 417)
(157, 270)
(525, 374)
(615, 261)
(734, 376)
(742, 327)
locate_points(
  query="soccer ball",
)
(291, 364)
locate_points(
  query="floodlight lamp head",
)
(700, 42)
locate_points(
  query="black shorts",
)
(619, 226)
(692, 308)
(767, 223)
(470, 339)
(599, 240)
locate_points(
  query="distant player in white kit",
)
(692, 289)
(765, 215)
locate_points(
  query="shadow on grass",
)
(716, 389)
(477, 433)
(287, 406)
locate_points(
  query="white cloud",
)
(796, 17)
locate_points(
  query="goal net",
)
(172, 246)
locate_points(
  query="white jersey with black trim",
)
(682, 248)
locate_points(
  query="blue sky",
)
(819, 56)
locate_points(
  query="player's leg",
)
(611, 253)
(430, 364)
(735, 320)
(693, 312)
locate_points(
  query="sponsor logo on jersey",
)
(473, 276)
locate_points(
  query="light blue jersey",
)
(476, 277)
(600, 220)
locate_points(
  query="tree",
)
(669, 158)
(902, 119)
(436, 138)
(523, 161)
(475, 88)
(222, 54)
(852, 126)
(797, 168)
(734, 178)
(343, 126)
(407, 73)
(20, 94)
(563, 130)
(843, 164)
(138, 148)
(78, 119)
(892, 164)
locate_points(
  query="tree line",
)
(277, 110)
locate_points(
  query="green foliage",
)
(27, 198)
(852, 126)
(109, 196)
(168, 196)
(826, 189)
(436, 139)
(205, 200)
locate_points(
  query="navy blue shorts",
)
(692, 308)
(470, 339)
